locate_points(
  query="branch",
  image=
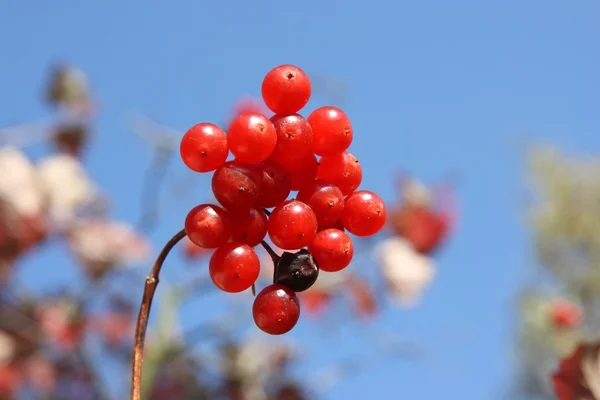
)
(274, 256)
(150, 195)
(144, 314)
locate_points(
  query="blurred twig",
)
(150, 196)
(164, 142)
(142, 321)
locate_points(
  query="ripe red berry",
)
(336, 225)
(251, 137)
(249, 227)
(332, 131)
(276, 309)
(294, 137)
(303, 171)
(332, 249)
(286, 89)
(204, 147)
(208, 226)
(343, 170)
(237, 186)
(364, 213)
(234, 267)
(325, 199)
(292, 225)
(276, 184)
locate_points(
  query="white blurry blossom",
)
(416, 193)
(101, 245)
(406, 272)
(20, 187)
(67, 185)
(68, 86)
(331, 281)
(254, 361)
(7, 348)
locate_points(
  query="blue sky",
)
(433, 86)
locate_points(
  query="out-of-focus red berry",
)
(565, 314)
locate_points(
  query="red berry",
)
(252, 137)
(276, 309)
(325, 199)
(250, 227)
(204, 148)
(332, 249)
(237, 186)
(343, 170)
(422, 227)
(292, 225)
(565, 314)
(193, 251)
(234, 267)
(276, 184)
(248, 104)
(336, 225)
(294, 137)
(332, 131)
(286, 89)
(208, 226)
(364, 213)
(303, 171)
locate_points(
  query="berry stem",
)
(267, 212)
(142, 320)
(273, 255)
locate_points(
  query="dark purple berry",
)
(298, 271)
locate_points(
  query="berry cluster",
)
(274, 157)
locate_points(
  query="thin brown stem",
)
(274, 256)
(144, 314)
(271, 252)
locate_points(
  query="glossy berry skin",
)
(286, 89)
(249, 227)
(276, 309)
(364, 213)
(236, 186)
(251, 137)
(234, 267)
(336, 225)
(343, 170)
(325, 199)
(208, 226)
(276, 184)
(332, 249)
(303, 171)
(204, 147)
(298, 271)
(332, 131)
(294, 138)
(292, 225)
